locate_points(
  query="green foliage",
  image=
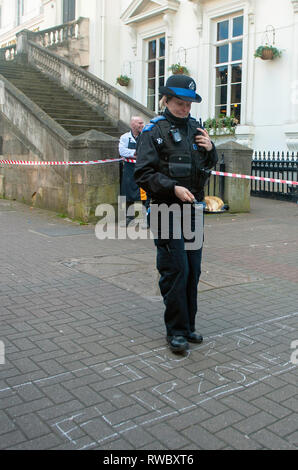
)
(80, 222)
(123, 80)
(179, 69)
(226, 123)
(262, 49)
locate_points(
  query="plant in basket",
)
(267, 52)
(123, 80)
(177, 69)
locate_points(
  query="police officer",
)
(127, 150)
(172, 153)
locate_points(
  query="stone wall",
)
(237, 159)
(29, 134)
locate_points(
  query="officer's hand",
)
(203, 140)
(184, 194)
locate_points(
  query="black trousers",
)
(180, 271)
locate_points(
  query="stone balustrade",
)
(70, 40)
(41, 50)
(45, 62)
(8, 52)
(99, 94)
(59, 34)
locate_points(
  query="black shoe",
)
(177, 343)
(194, 337)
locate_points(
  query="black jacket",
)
(162, 164)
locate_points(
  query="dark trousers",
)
(180, 271)
(145, 205)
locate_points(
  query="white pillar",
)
(168, 20)
(294, 71)
(250, 65)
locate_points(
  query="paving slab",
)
(86, 365)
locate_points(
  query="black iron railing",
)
(216, 184)
(277, 165)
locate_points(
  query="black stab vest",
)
(182, 161)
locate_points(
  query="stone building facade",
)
(214, 39)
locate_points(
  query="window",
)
(69, 10)
(20, 11)
(155, 70)
(228, 67)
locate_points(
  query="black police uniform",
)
(161, 165)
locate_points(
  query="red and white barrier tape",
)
(249, 177)
(58, 163)
(132, 160)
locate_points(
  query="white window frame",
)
(26, 12)
(157, 59)
(212, 13)
(229, 63)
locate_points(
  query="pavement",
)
(85, 363)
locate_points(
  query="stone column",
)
(22, 44)
(237, 159)
(90, 185)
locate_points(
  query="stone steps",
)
(69, 115)
(82, 117)
(81, 131)
(87, 127)
(68, 111)
(85, 122)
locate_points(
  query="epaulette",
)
(158, 118)
(148, 127)
(152, 123)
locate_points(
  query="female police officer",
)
(172, 152)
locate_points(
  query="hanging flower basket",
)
(123, 80)
(267, 52)
(178, 69)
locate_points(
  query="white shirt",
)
(125, 141)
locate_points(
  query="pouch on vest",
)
(180, 166)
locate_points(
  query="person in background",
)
(127, 150)
(174, 151)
